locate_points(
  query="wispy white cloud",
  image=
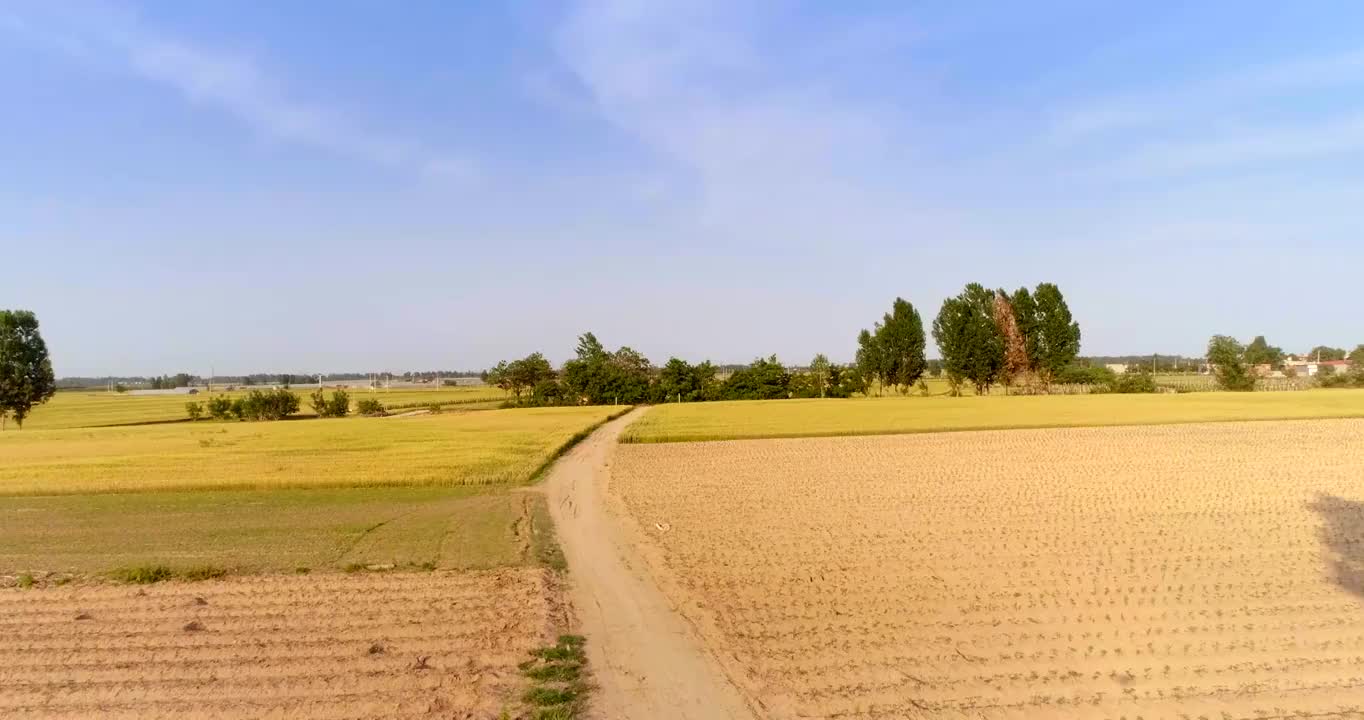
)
(1244, 147)
(233, 83)
(1244, 89)
(692, 82)
(1234, 121)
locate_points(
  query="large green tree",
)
(763, 379)
(26, 377)
(680, 381)
(968, 340)
(1057, 340)
(1228, 360)
(819, 370)
(598, 377)
(1356, 358)
(531, 370)
(1325, 352)
(1260, 352)
(870, 362)
(901, 339)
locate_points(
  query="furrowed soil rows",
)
(330, 646)
(1189, 571)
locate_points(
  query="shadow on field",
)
(1342, 534)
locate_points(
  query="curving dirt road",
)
(647, 660)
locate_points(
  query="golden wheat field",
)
(1196, 571)
(90, 408)
(441, 644)
(492, 447)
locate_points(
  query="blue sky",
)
(369, 185)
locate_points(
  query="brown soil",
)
(402, 644)
(1141, 572)
(647, 661)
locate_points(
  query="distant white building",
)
(1309, 368)
(1117, 368)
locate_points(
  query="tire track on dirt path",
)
(647, 661)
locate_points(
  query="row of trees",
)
(596, 376)
(985, 337)
(278, 404)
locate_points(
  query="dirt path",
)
(647, 660)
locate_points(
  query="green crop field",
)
(81, 408)
(874, 416)
(276, 530)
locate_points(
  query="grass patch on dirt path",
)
(556, 675)
(687, 422)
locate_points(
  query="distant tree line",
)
(597, 376)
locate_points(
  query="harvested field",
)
(442, 644)
(1195, 571)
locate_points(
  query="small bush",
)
(144, 574)
(26, 581)
(220, 408)
(337, 406)
(274, 404)
(1084, 375)
(1133, 383)
(369, 407)
(1341, 380)
(194, 410)
(433, 408)
(317, 400)
(204, 572)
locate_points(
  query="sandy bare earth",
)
(403, 644)
(647, 661)
(1197, 571)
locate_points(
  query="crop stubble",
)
(1155, 572)
(442, 644)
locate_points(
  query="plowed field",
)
(437, 644)
(1196, 571)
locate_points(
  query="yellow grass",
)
(79, 408)
(497, 446)
(873, 416)
(1161, 572)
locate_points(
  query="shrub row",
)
(274, 404)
